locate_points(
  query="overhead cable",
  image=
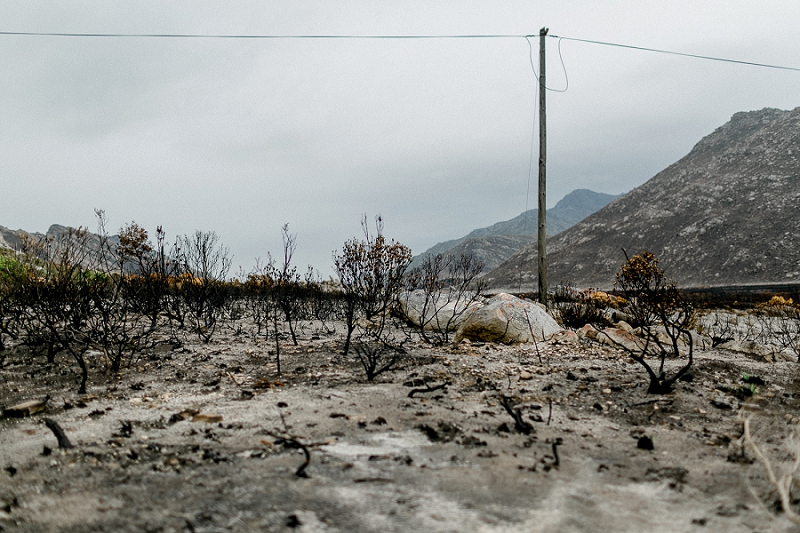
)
(560, 57)
(657, 50)
(388, 37)
(259, 36)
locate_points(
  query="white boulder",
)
(508, 319)
(445, 313)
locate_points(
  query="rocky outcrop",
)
(13, 238)
(10, 238)
(725, 214)
(766, 352)
(508, 320)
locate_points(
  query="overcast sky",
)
(241, 136)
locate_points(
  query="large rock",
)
(623, 336)
(619, 338)
(767, 352)
(445, 314)
(508, 319)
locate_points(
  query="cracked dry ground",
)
(451, 459)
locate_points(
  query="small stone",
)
(207, 418)
(721, 404)
(525, 375)
(565, 337)
(24, 409)
(183, 415)
(587, 331)
(624, 326)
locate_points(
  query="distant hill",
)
(11, 238)
(496, 243)
(727, 213)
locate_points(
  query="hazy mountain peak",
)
(493, 244)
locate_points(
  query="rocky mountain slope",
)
(727, 213)
(12, 238)
(496, 243)
(9, 238)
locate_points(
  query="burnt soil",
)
(450, 459)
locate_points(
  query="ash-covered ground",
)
(207, 437)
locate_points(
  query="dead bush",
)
(201, 285)
(372, 275)
(450, 286)
(663, 316)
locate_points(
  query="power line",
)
(386, 37)
(560, 57)
(261, 36)
(670, 52)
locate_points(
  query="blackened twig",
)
(63, 441)
(555, 452)
(427, 388)
(549, 410)
(291, 442)
(647, 402)
(519, 424)
(301, 470)
(533, 337)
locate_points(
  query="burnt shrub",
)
(664, 317)
(56, 288)
(779, 321)
(201, 286)
(574, 308)
(12, 275)
(449, 286)
(127, 299)
(372, 275)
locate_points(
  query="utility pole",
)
(542, 174)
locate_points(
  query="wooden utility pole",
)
(542, 173)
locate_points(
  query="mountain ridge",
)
(726, 213)
(493, 244)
